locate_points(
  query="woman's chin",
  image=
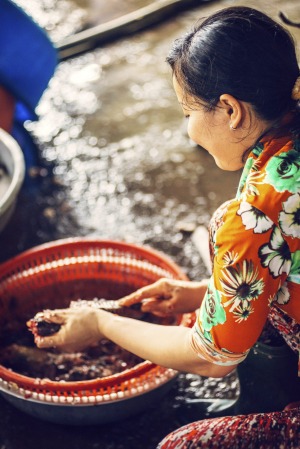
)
(228, 166)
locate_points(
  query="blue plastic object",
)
(27, 59)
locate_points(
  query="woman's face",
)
(211, 130)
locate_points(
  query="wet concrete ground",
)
(114, 161)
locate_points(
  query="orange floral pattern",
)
(255, 244)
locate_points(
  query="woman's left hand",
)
(79, 329)
(168, 297)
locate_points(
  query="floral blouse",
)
(255, 246)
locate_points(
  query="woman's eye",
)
(187, 117)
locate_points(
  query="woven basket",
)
(52, 275)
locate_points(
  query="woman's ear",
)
(233, 110)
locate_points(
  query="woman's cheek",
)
(193, 132)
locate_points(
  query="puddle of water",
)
(60, 18)
(101, 11)
(109, 125)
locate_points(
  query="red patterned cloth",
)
(278, 430)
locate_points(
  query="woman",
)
(237, 80)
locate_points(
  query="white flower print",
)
(253, 218)
(254, 179)
(251, 177)
(242, 313)
(241, 285)
(289, 217)
(230, 257)
(283, 295)
(276, 254)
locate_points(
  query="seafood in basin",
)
(41, 327)
(19, 353)
(102, 360)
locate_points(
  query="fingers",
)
(158, 307)
(44, 342)
(133, 298)
(79, 329)
(150, 291)
(50, 316)
(57, 341)
(55, 316)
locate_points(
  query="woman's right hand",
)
(168, 297)
(79, 328)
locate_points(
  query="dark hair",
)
(242, 52)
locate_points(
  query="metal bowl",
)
(12, 161)
(50, 276)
